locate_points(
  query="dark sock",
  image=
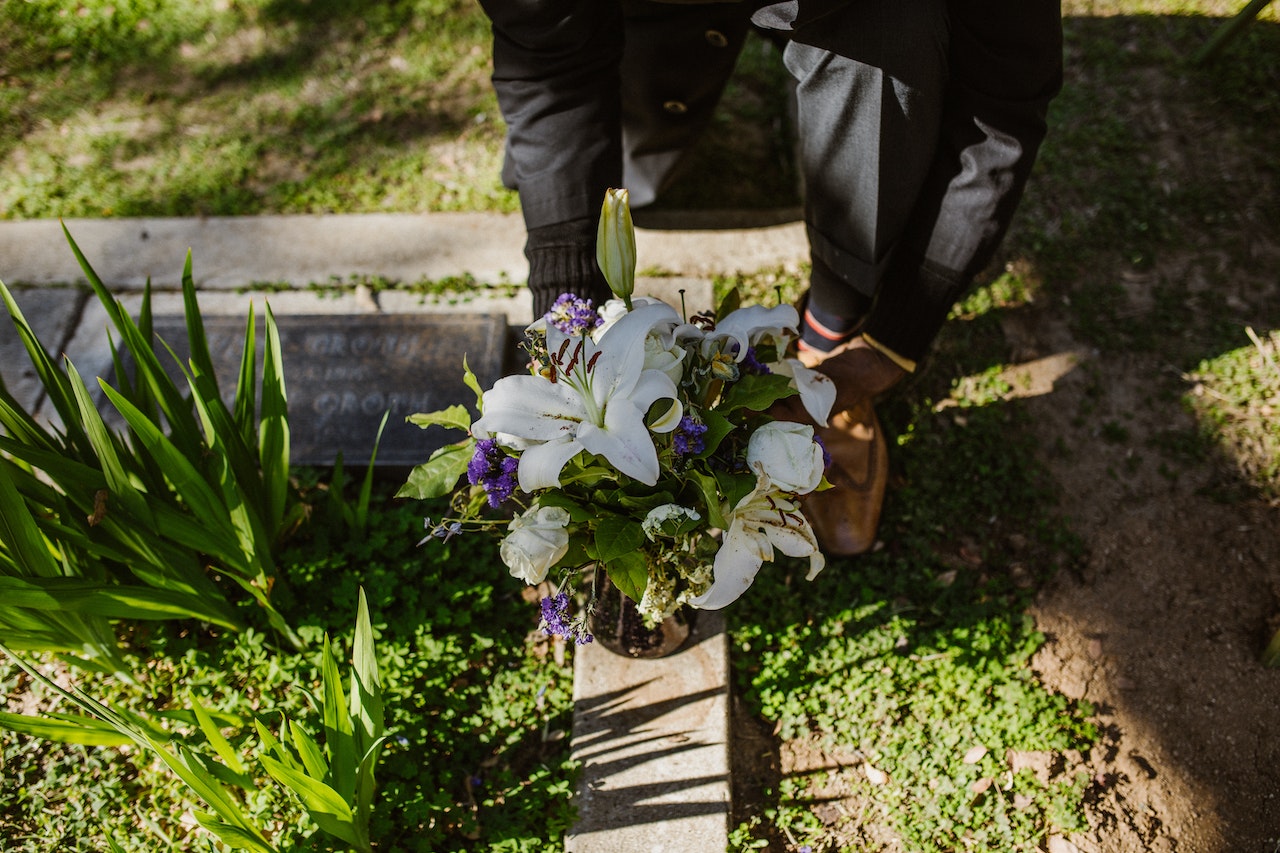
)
(562, 259)
(821, 328)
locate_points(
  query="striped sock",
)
(821, 331)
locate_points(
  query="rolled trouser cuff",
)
(913, 303)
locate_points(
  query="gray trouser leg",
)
(675, 64)
(870, 85)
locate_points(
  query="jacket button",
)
(715, 38)
(676, 107)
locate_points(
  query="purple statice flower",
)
(554, 608)
(751, 364)
(494, 470)
(826, 454)
(572, 315)
(555, 621)
(688, 437)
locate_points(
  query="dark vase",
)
(617, 625)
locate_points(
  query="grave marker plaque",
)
(342, 373)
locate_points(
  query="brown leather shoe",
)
(845, 517)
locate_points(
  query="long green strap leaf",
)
(366, 687)
(51, 378)
(186, 480)
(87, 731)
(107, 451)
(325, 805)
(19, 533)
(338, 735)
(109, 601)
(246, 402)
(215, 737)
(273, 430)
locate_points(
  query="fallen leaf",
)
(975, 754)
(981, 785)
(874, 775)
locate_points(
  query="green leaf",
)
(187, 481)
(629, 573)
(710, 490)
(233, 836)
(366, 687)
(19, 533)
(325, 805)
(78, 595)
(273, 429)
(616, 536)
(454, 417)
(718, 428)
(338, 735)
(107, 449)
(732, 302)
(80, 729)
(247, 383)
(469, 379)
(755, 392)
(734, 487)
(577, 512)
(308, 750)
(214, 735)
(439, 475)
(366, 485)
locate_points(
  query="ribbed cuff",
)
(913, 303)
(562, 259)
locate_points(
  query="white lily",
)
(817, 391)
(762, 521)
(755, 324)
(594, 399)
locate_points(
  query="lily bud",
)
(616, 245)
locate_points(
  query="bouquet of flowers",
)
(639, 442)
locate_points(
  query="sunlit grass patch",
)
(1237, 397)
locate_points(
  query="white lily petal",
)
(816, 564)
(817, 391)
(736, 565)
(540, 465)
(670, 419)
(530, 407)
(624, 441)
(749, 324)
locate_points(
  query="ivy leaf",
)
(629, 573)
(718, 426)
(756, 392)
(454, 417)
(710, 498)
(577, 512)
(616, 537)
(731, 302)
(439, 474)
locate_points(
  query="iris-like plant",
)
(103, 525)
(334, 783)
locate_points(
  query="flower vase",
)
(617, 625)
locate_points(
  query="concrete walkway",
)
(653, 736)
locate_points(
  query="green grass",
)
(478, 715)
(901, 661)
(189, 108)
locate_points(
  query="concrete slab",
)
(233, 252)
(652, 736)
(52, 315)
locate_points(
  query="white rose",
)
(536, 540)
(788, 455)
